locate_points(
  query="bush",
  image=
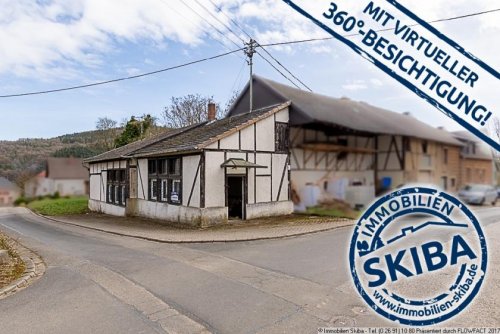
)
(20, 200)
(56, 195)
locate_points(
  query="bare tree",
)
(231, 101)
(188, 110)
(107, 132)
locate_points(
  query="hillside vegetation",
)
(27, 155)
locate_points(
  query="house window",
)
(453, 182)
(424, 147)
(117, 187)
(165, 180)
(281, 137)
(445, 156)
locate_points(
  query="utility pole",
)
(250, 49)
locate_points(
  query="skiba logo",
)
(418, 256)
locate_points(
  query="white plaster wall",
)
(95, 187)
(214, 180)
(176, 213)
(230, 142)
(190, 176)
(269, 209)
(102, 207)
(264, 159)
(70, 187)
(279, 163)
(251, 180)
(263, 189)
(282, 116)
(247, 138)
(265, 134)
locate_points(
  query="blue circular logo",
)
(418, 256)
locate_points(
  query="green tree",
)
(135, 129)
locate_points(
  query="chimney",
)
(211, 112)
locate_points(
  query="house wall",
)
(476, 171)
(70, 187)
(266, 187)
(319, 168)
(430, 166)
(98, 178)
(38, 186)
(204, 180)
(8, 196)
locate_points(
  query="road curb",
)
(347, 223)
(34, 269)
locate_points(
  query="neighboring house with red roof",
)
(66, 176)
(9, 192)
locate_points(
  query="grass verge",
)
(333, 212)
(60, 206)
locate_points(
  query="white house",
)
(202, 175)
(67, 176)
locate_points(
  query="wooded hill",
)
(27, 155)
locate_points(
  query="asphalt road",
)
(96, 282)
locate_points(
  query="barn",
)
(352, 150)
(201, 175)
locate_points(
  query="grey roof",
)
(203, 134)
(7, 185)
(310, 108)
(190, 138)
(66, 169)
(483, 151)
(121, 152)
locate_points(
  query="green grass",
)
(318, 211)
(60, 206)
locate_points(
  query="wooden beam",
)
(328, 147)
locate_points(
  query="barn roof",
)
(310, 108)
(482, 151)
(66, 169)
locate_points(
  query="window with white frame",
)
(165, 180)
(117, 187)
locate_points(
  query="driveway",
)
(103, 283)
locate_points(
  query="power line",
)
(258, 44)
(124, 78)
(219, 56)
(381, 30)
(205, 20)
(195, 24)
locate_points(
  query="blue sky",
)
(53, 44)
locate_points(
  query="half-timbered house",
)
(202, 175)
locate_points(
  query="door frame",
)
(244, 193)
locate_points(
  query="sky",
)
(51, 44)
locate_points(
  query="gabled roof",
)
(204, 134)
(121, 152)
(482, 151)
(310, 108)
(66, 169)
(191, 138)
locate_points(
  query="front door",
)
(236, 197)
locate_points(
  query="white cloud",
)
(354, 85)
(52, 38)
